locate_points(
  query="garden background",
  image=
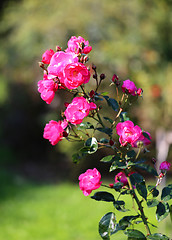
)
(39, 194)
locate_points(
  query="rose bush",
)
(67, 70)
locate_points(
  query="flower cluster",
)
(67, 71)
(130, 88)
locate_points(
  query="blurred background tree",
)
(129, 38)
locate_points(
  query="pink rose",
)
(53, 131)
(46, 56)
(77, 110)
(89, 181)
(121, 177)
(75, 74)
(129, 87)
(142, 140)
(128, 132)
(58, 62)
(139, 91)
(47, 88)
(165, 166)
(75, 45)
(93, 106)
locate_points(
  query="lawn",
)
(46, 212)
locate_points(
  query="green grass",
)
(49, 212)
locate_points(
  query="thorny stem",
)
(138, 153)
(83, 90)
(120, 110)
(139, 203)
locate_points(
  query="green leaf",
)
(152, 203)
(124, 117)
(117, 164)
(120, 206)
(170, 208)
(166, 194)
(153, 190)
(126, 221)
(112, 103)
(92, 145)
(148, 169)
(135, 234)
(136, 178)
(85, 125)
(130, 155)
(108, 158)
(152, 225)
(104, 140)
(157, 236)
(108, 119)
(103, 196)
(76, 157)
(107, 225)
(141, 189)
(104, 93)
(162, 211)
(118, 186)
(146, 136)
(106, 130)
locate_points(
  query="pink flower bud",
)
(165, 166)
(92, 93)
(111, 142)
(93, 106)
(114, 78)
(161, 175)
(58, 48)
(66, 104)
(47, 55)
(139, 91)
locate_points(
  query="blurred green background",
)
(129, 38)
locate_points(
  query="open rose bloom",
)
(89, 181)
(75, 74)
(54, 131)
(78, 110)
(131, 134)
(47, 88)
(78, 44)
